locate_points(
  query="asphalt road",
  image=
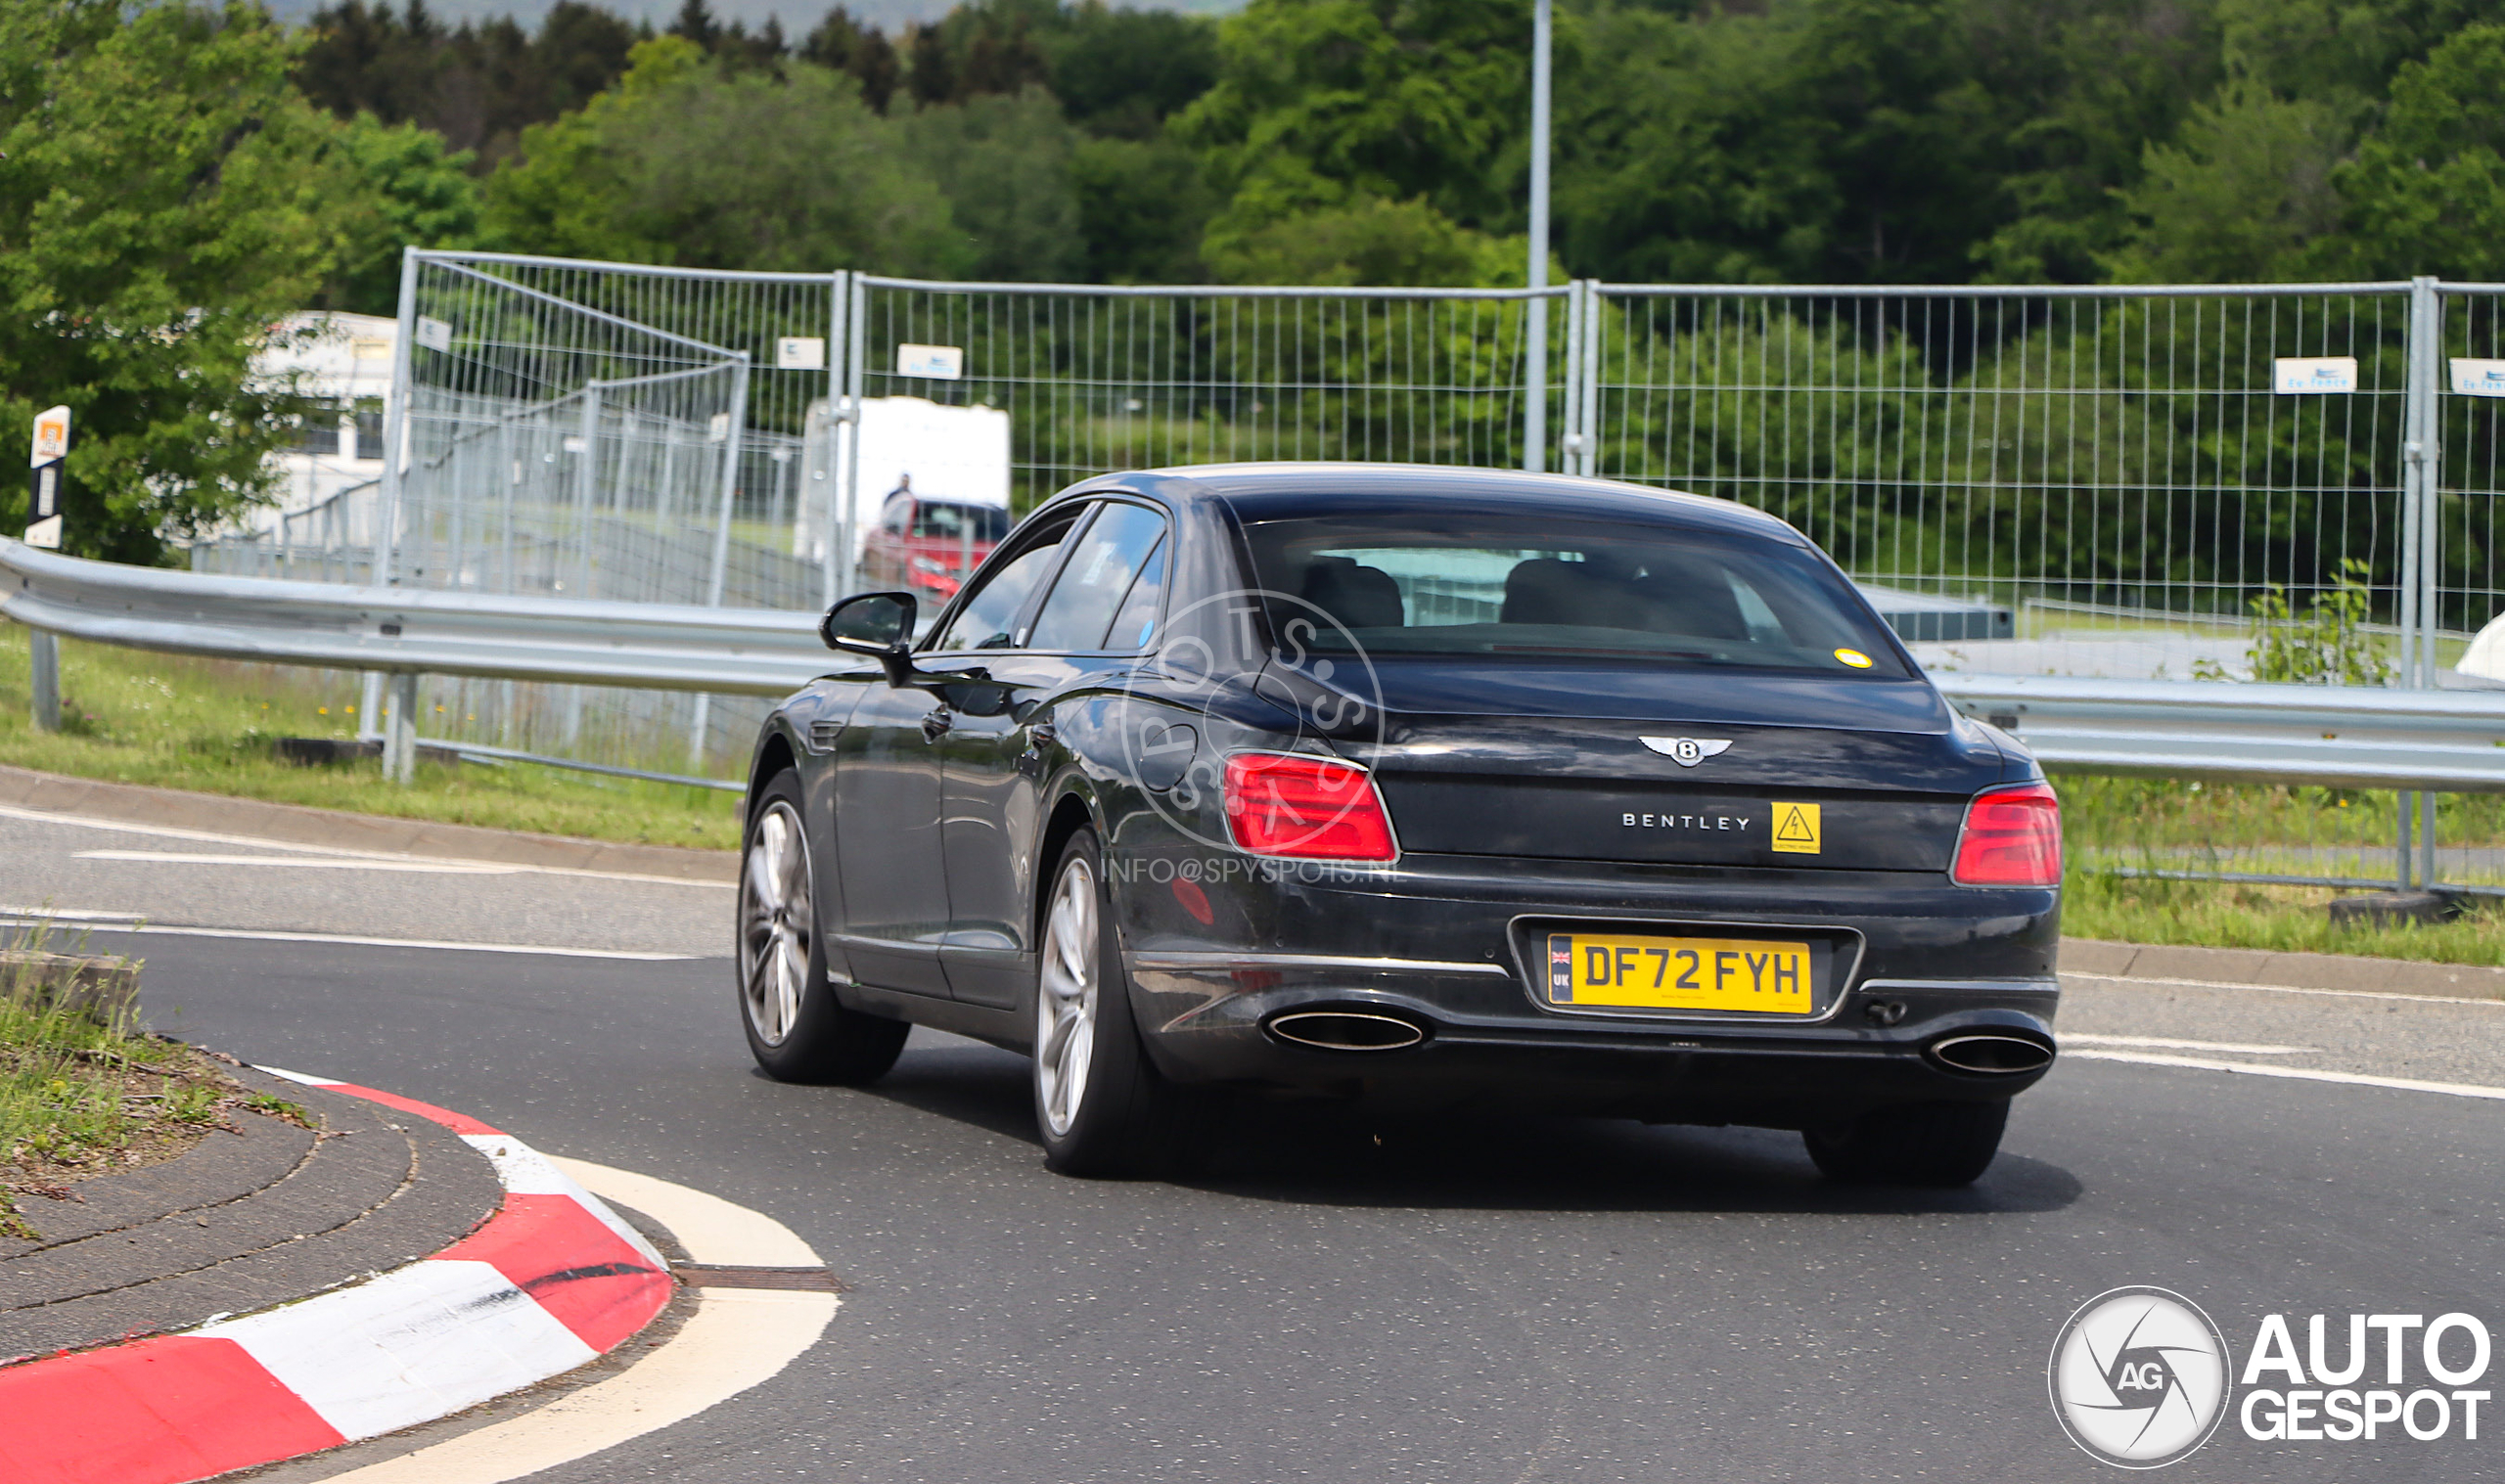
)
(1341, 1299)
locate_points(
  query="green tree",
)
(1004, 163)
(1324, 102)
(2242, 196)
(165, 196)
(645, 173)
(846, 45)
(1142, 207)
(1369, 241)
(2096, 81)
(1682, 157)
(479, 86)
(407, 191)
(2426, 193)
(1124, 73)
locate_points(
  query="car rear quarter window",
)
(1098, 576)
(1135, 622)
(1523, 586)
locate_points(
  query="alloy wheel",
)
(1066, 997)
(776, 921)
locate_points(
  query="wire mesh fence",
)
(2468, 447)
(1098, 379)
(591, 430)
(2120, 469)
(2284, 482)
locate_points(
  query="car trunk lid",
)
(1671, 767)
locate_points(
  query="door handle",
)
(934, 724)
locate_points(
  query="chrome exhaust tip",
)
(1346, 1030)
(1991, 1055)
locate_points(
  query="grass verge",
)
(79, 1097)
(2277, 918)
(207, 725)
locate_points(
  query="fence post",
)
(384, 568)
(45, 655)
(847, 459)
(1570, 442)
(704, 713)
(400, 731)
(2418, 543)
(839, 392)
(1590, 420)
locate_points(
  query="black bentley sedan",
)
(1430, 786)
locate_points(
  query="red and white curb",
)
(553, 1280)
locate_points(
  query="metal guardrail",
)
(412, 631)
(2340, 736)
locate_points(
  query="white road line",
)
(2286, 989)
(211, 837)
(118, 923)
(309, 862)
(2299, 1073)
(2165, 1043)
(736, 1339)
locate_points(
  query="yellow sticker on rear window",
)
(1853, 658)
(1796, 830)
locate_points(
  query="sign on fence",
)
(939, 363)
(2474, 376)
(2299, 374)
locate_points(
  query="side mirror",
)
(876, 624)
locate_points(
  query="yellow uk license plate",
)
(1615, 970)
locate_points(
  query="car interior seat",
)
(1359, 597)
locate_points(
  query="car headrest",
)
(1544, 590)
(1358, 596)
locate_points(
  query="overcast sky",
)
(797, 16)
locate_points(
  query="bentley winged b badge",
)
(1686, 751)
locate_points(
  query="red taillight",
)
(1307, 808)
(2013, 837)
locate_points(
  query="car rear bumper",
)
(1214, 1022)
(1438, 946)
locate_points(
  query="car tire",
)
(796, 1029)
(1101, 1105)
(1928, 1144)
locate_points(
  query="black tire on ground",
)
(1128, 1121)
(1927, 1143)
(796, 1029)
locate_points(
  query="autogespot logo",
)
(2139, 1378)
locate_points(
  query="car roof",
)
(1274, 491)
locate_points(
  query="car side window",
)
(1135, 622)
(1001, 591)
(1099, 574)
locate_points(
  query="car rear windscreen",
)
(988, 523)
(1412, 584)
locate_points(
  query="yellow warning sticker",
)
(1795, 829)
(1853, 658)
